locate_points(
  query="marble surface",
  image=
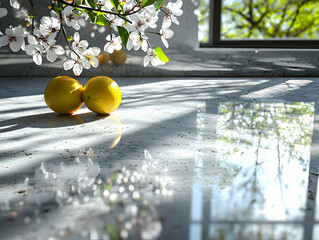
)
(181, 158)
(184, 62)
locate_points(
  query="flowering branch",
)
(130, 20)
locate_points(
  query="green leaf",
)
(101, 20)
(123, 34)
(56, 9)
(91, 3)
(92, 15)
(148, 2)
(161, 55)
(158, 4)
(115, 3)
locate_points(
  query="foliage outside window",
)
(276, 20)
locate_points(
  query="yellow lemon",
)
(103, 58)
(64, 95)
(102, 95)
(118, 57)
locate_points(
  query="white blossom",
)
(53, 50)
(129, 5)
(75, 63)
(14, 37)
(90, 57)
(35, 50)
(49, 25)
(105, 4)
(43, 36)
(79, 46)
(15, 4)
(70, 18)
(175, 10)
(115, 21)
(152, 57)
(115, 43)
(150, 15)
(138, 22)
(137, 41)
(167, 21)
(166, 33)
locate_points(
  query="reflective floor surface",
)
(182, 158)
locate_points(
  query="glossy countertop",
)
(181, 158)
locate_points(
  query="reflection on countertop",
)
(239, 171)
(263, 156)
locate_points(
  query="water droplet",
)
(113, 197)
(124, 234)
(106, 193)
(147, 155)
(121, 189)
(27, 220)
(94, 235)
(136, 195)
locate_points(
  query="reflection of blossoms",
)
(128, 22)
(120, 205)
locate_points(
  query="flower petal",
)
(77, 69)
(68, 64)
(37, 58)
(32, 39)
(94, 62)
(15, 4)
(76, 37)
(167, 22)
(16, 45)
(164, 42)
(59, 50)
(96, 51)
(86, 63)
(51, 55)
(3, 12)
(9, 32)
(4, 41)
(146, 60)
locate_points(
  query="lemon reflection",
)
(60, 120)
(117, 125)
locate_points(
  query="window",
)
(259, 23)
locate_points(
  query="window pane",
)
(203, 29)
(270, 19)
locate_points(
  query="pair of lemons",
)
(65, 95)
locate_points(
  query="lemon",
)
(102, 95)
(103, 58)
(64, 95)
(118, 57)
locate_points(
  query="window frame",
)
(214, 39)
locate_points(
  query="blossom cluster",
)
(128, 21)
